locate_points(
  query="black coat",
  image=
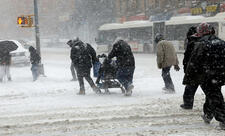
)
(83, 56)
(5, 58)
(34, 57)
(206, 62)
(190, 42)
(122, 51)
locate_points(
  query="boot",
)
(186, 107)
(96, 89)
(129, 90)
(9, 79)
(206, 119)
(81, 92)
(222, 125)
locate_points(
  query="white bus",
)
(139, 34)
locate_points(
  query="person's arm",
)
(113, 51)
(160, 55)
(73, 56)
(92, 52)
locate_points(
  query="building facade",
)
(128, 10)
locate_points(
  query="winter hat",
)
(31, 49)
(203, 29)
(158, 37)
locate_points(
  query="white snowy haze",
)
(58, 19)
(50, 106)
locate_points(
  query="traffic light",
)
(22, 21)
(25, 21)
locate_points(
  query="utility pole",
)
(37, 33)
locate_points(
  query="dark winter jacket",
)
(5, 58)
(122, 51)
(189, 48)
(206, 62)
(34, 56)
(83, 56)
(107, 70)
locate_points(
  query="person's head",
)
(31, 49)
(117, 39)
(158, 37)
(204, 29)
(192, 30)
(73, 42)
(70, 43)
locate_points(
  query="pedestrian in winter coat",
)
(190, 90)
(35, 60)
(126, 64)
(206, 68)
(83, 57)
(166, 57)
(5, 61)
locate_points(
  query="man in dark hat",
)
(83, 57)
(206, 68)
(166, 57)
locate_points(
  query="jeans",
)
(35, 71)
(166, 78)
(125, 76)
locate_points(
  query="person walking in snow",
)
(83, 57)
(35, 60)
(206, 68)
(166, 57)
(190, 90)
(5, 61)
(126, 64)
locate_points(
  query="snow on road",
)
(50, 106)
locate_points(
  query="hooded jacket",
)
(122, 51)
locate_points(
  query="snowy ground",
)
(50, 106)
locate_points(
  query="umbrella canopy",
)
(7, 46)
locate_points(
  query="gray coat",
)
(166, 55)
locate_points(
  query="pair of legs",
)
(188, 96)
(85, 73)
(125, 77)
(72, 69)
(35, 71)
(214, 105)
(5, 71)
(167, 79)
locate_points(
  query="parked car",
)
(21, 55)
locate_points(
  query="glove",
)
(176, 67)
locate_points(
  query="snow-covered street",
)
(50, 106)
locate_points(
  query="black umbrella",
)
(7, 46)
